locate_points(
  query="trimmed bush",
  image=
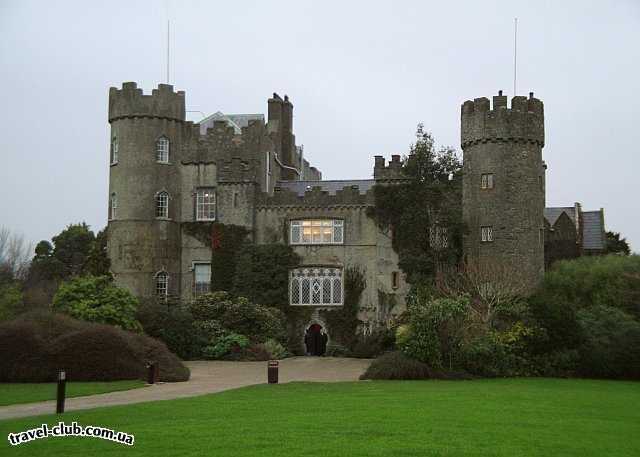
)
(35, 346)
(396, 365)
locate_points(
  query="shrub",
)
(396, 365)
(230, 346)
(336, 350)
(376, 343)
(35, 346)
(612, 343)
(275, 349)
(97, 299)
(174, 325)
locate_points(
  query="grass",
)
(11, 394)
(500, 417)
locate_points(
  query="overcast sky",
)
(361, 75)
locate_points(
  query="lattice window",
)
(162, 284)
(201, 278)
(486, 181)
(316, 286)
(438, 237)
(317, 231)
(162, 150)
(486, 233)
(113, 206)
(206, 204)
(114, 151)
(162, 204)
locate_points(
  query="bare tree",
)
(493, 289)
(15, 253)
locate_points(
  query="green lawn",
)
(11, 394)
(503, 417)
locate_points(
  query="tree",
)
(14, 253)
(423, 214)
(72, 247)
(97, 299)
(98, 262)
(616, 245)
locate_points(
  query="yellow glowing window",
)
(317, 231)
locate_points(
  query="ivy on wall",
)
(423, 211)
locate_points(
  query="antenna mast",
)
(515, 54)
(168, 36)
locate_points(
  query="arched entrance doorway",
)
(315, 340)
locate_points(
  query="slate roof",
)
(552, 214)
(592, 230)
(331, 187)
(237, 121)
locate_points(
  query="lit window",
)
(486, 181)
(162, 284)
(486, 233)
(316, 286)
(114, 151)
(206, 204)
(113, 205)
(201, 278)
(162, 150)
(162, 204)
(317, 231)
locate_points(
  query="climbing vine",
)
(423, 214)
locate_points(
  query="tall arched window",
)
(162, 283)
(114, 151)
(162, 204)
(162, 150)
(113, 206)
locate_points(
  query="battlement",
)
(131, 102)
(391, 171)
(315, 196)
(523, 122)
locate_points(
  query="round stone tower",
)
(503, 186)
(144, 238)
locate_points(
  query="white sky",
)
(361, 75)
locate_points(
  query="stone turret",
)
(142, 243)
(503, 184)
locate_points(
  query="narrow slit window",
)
(113, 206)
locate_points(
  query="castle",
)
(247, 171)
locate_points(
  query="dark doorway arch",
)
(315, 340)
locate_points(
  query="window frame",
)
(163, 149)
(113, 206)
(486, 234)
(299, 224)
(113, 156)
(316, 276)
(206, 204)
(158, 204)
(487, 181)
(163, 276)
(195, 291)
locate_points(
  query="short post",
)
(62, 388)
(272, 372)
(152, 372)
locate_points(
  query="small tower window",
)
(162, 204)
(486, 233)
(114, 151)
(162, 284)
(113, 206)
(162, 150)
(206, 204)
(395, 279)
(486, 181)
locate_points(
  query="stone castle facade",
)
(244, 170)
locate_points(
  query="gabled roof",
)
(593, 230)
(552, 214)
(237, 121)
(300, 187)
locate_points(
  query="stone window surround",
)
(486, 233)
(162, 205)
(337, 225)
(487, 181)
(113, 156)
(113, 206)
(162, 283)
(198, 290)
(201, 205)
(163, 150)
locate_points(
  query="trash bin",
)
(272, 372)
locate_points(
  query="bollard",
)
(62, 388)
(152, 372)
(272, 372)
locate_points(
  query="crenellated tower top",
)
(130, 102)
(523, 122)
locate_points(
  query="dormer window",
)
(162, 150)
(114, 151)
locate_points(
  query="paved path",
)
(208, 377)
